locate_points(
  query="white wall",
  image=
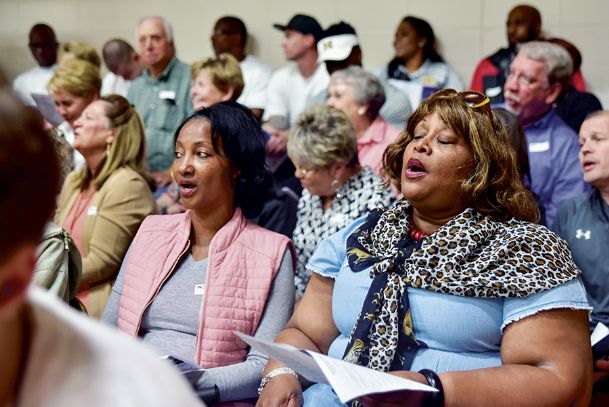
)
(467, 29)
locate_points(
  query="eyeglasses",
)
(523, 80)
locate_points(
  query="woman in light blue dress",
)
(454, 286)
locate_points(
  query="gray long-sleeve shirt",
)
(171, 321)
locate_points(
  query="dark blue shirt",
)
(584, 223)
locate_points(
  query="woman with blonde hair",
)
(215, 80)
(103, 203)
(74, 85)
(79, 50)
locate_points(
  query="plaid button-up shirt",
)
(163, 103)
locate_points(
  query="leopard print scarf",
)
(471, 256)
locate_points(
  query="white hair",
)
(166, 26)
(557, 60)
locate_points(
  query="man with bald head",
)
(523, 25)
(161, 94)
(43, 45)
(230, 36)
(124, 65)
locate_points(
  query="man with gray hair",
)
(533, 84)
(161, 94)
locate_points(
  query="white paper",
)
(600, 331)
(290, 356)
(349, 381)
(46, 106)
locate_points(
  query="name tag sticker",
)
(92, 211)
(167, 95)
(199, 288)
(539, 147)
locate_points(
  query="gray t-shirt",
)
(171, 321)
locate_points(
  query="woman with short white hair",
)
(360, 95)
(336, 188)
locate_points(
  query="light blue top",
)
(461, 333)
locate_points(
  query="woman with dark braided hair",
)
(453, 286)
(103, 203)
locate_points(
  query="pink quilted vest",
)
(242, 263)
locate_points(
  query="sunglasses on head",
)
(473, 99)
(476, 100)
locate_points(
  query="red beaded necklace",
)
(415, 234)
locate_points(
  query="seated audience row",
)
(212, 167)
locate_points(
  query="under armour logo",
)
(579, 234)
(327, 45)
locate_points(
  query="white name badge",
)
(167, 94)
(539, 147)
(199, 288)
(92, 211)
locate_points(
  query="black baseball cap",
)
(304, 24)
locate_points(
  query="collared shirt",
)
(584, 223)
(556, 174)
(372, 144)
(163, 103)
(359, 195)
(289, 93)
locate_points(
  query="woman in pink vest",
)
(189, 280)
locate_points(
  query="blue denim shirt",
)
(461, 333)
